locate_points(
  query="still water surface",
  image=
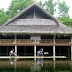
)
(18, 65)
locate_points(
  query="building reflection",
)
(37, 65)
(41, 66)
(13, 62)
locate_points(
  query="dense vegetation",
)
(17, 5)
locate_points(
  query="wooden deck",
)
(24, 57)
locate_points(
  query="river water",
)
(40, 65)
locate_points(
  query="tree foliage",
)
(41, 4)
(50, 6)
(17, 5)
(63, 9)
(3, 16)
(65, 20)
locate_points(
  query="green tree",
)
(3, 16)
(17, 5)
(41, 4)
(50, 6)
(66, 20)
(63, 9)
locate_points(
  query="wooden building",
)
(34, 28)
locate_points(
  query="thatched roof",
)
(34, 19)
(35, 29)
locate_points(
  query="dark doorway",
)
(25, 50)
(63, 51)
(4, 50)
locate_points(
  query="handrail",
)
(43, 41)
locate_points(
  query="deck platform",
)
(23, 57)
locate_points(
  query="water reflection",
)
(40, 66)
(16, 65)
(13, 61)
(36, 66)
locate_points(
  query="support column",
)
(53, 53)
(15, 46)
(25, 51)
(71, 53)
(71, 50)
(35, 51)
(68, 52)
(16, 49)
(54, 49)
(7, 51)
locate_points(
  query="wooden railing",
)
(7, 41)
(42, 41)
(64, 41)
(56, 41)
(25, 41)
(46, 41)
(13, 41)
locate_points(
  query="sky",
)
(5, 3)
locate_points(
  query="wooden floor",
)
(22, 57)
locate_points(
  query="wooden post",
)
(15, 46)
(24, 50)
(68, 52)
(7, 51)
(71, 50)
(71, 53)
(54, 49)
(16, 49)
(53, 53)
(35, 51)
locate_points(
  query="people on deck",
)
(12, 53)
(40, 52)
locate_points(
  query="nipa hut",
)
(35, 28)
